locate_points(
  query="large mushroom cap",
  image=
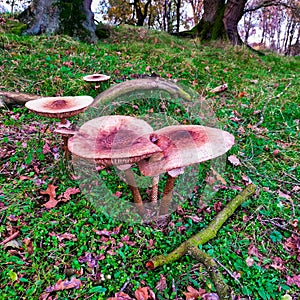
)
(59, 107)
(96, 78)
(184, 145)
(113, 140)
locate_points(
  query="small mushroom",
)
(96, 78)
(60, 108)
(182, 146)
(115, 141)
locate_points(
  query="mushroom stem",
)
(154, 191)
(66, 150)
(135, 192)
(167, 195)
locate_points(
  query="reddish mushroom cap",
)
(96, 78)
(184, 145)
(59, 107)
(113, 140)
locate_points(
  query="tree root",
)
(191, 246)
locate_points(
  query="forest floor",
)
(72, 249)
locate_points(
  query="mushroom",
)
(182, 146)
(96, 78)
(60, 108)
(115, 141)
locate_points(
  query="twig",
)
(124, 286)
(8, 239)
(229, 273)
(279, 226)
(262, 115)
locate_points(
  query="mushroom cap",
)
(65, 131)
(113, 140)
(59, 107)
(96, 78)
(184, 145)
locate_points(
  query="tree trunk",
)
(232, 15)
(219, 21)
(73, 18)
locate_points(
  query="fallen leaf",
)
(120, 296)
(28, 244)
(193, 294)
(249, 261)
(278, 264)
(50, 191)
(210, 296)
(234, 160)
(162, 284)
(195, 219)
(64, 285)
(144, 293)
(293, 280)
(220, 88)
(67, 194)
(283, 195)
(64, 236)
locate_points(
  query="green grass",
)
(258, 86)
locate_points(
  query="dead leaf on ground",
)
(234, 160)
(28, 244)
(64, 236)
(144, 293)
(162, 284)
(293, 280)
(67, 194)
(64, 285)
(50, 191)
(193, 294)
(120, 296)
(220, 88)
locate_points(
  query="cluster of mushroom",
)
(65, 107)
(61, 108)
(122, 141)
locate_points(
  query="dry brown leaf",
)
(29, 246)
(293, 280)
(67, 194)
(144, 293)
(50, 191)
(120, 296)
(234, 160)
(162, 284)
(64, 285)
(193, 294)
(220, 88)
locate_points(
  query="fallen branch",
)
(14, 98)
(191, 246)
(136, 86)
(10, 238)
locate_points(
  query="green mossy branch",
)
(191, 246)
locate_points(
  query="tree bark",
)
(233, 13)
(73, 18)
(219, 21)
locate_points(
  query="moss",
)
(14, 26)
